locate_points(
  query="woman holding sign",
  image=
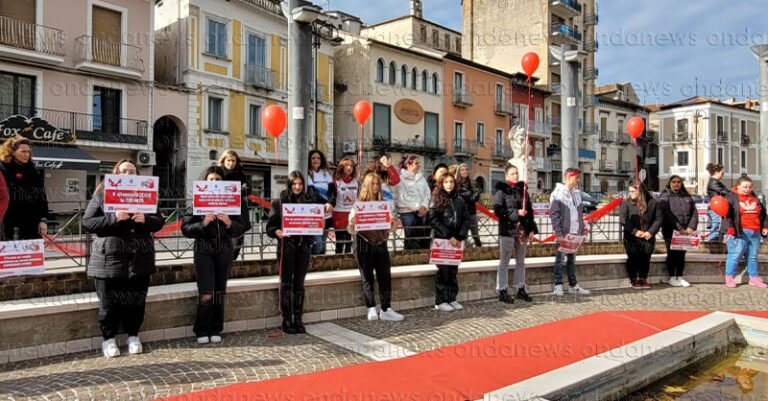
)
(122, 258)
(321, 180)
(641, 219)
(448, 218)
(346, 195)
(747, 223)
(294, 252)
(372, 253)
(679, 215)
(214, 250)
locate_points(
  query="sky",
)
(668, 49)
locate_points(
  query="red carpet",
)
(465, 371)
(753, 313)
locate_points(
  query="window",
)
(214, 113)
(217, 38)
(255, 120)
(434, 83)
(720, 155)
(19, 10)
(392, 73)
(743, 128)
(431, 127)
(423, 31)
(458, 136)
(424, 80)
(458, 45)
(256, 60)
(682, 158)
(499, 141)
(17, 94)
(404, 76)
(458, 82)
(480, 133)
(379, 70)
(524, 116)
(381, 122)
(435, 38)
(14, 33)
(414, 74)
(106, 34)
(447, 42)
(106, 109)
(743, 159)
(499, 95)
(682, 126)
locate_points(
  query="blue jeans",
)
(715, 219)
(570, 266)
(318, 248)
(748, 243)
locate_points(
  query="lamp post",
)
(696, 115)
(318, 34)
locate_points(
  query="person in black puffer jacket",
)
(679, 214)
(232, 167)
(122, 259)
(448, 219)
(27, 214)
(715, 187)
(641, 218)
(214, 247)
(470, 194)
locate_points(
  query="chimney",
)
(748, 104)
(416, 10)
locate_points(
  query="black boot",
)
(286, 307)
(505, 297)
(478, 243)
(521, 294)
(298, 309)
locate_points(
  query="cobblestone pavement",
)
(175, 367)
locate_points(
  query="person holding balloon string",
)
(388, 174)
(678, 214)
(321, 180)
(745, 222)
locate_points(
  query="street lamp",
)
(696, 115)
(320, 30)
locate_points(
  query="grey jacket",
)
(560, 212)
(679, 212)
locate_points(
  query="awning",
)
(59, 158)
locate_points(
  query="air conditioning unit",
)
(146, 158)
(349, 147)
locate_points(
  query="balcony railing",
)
(463, 98)
(504, 108)
(623, 138)
(540, 128)
(722, 136)
(86, 126)
(33, 37)
(682, 136)
(542, 164)
(591, 73)
(107, 52)
(587, 154)
(571, 5)
(502, 152)
(591, 46)
(418, 146)
(625, 166)
(269, 5)
(555, 88)
(745, 141)
(554, 122)
(591, 19)
(565, 30)
(260, 76)
(683, 171)
(464, 147)
(557, 165)
(608, 136)
(608, 165)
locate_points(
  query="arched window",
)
(434, 83)
(414, 74)
(424, 80)
(404, 76)
(392, 73)
(380, 70)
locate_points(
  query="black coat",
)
(678, 211)
(716, 187)
(237, 175)
(629, 217)
(215, 237)
(275, 219)
(451, 221)
(507, 201)
(469, 195)
(733, 218)
(28, 204)
(121, 249)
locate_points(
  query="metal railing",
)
(591, 19)
(560, 28)
(413, 145)
(623, 138)
(540, 128)
(591, 73)
(591, 46)
(28, 36)
(625, 166)
(608, 136)
(462, 97)
(260, 76)
(608, 165)
(575, 6)
(269, 5)
(504, 108)
(464, 147)
(107, 52)
(502, 152)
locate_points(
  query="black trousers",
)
(675, 261)
(238, 243)
(343, 241)
(374, 259)
(121, 300)
(446, 284)
(212, 273)
(294, 263)
(639, 253)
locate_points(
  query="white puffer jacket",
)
(412, 192)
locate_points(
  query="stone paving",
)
(175, 367)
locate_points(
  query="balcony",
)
(722, 136)
(87, 127)
(591, 46)
(502, 152)
(623, 138)
(542, 164)
(625, 166)
(555, 88)
(586, 155)
(591, 73)
(106, 57)
(259, 76)
(564, 34)
(30, 42)
(504, 108)
(464, 147)
(540, 129)
(267, 5)
(463, 98)
(607, 165)
(591, 129)
(745, 141)
(417, 146)
(554, 122)
(591, 19)
(567, 8)
(682, 171)
(682, 137)
(608, 136)
(557, 165)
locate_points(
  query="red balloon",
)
(362, 111)
(273, 119)
(530, 63)
(635, 127)
(719, 205)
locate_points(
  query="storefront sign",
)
(443, 253)
(22, 257)
(212, 197)
(35, 129)
(303, 219)
(373, 216)
(130, 193)
(408, 111)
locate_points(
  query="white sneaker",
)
(683, 283)
(578, 290)
(559, 290)
(456, 306)
(444, 307)
(203, 340)
(372, 315)
(110, 349)
(134, 345)
(215, 339)
(391, 315)
(675, 282)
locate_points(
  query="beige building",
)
(708, 131)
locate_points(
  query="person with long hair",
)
(373, 255)
(437, 172)
(346, 194)
(567, 217)
(448, 219)
(122, 259)
(293, 251)
(640, 217)
(413, 203)
(747, 223)
(679, 214)
(321, 180)
(232, 166)
(715, 187)
(517, 228)
(388, 173)
(213, 250)
(27, 213)
(470, 194)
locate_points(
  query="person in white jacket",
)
(413, 203)
(565, 213)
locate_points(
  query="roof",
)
(415, 17)
(698, 100)
(623, 103)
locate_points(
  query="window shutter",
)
(106, 24)
(20, 10)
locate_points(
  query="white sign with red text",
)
(540, 209)
(212, 197)
(571, 243)
(373, 216)
(303, 219)
(130, 193)
(685, 242)
(443, 253)
(22, 257)
(702, 208)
